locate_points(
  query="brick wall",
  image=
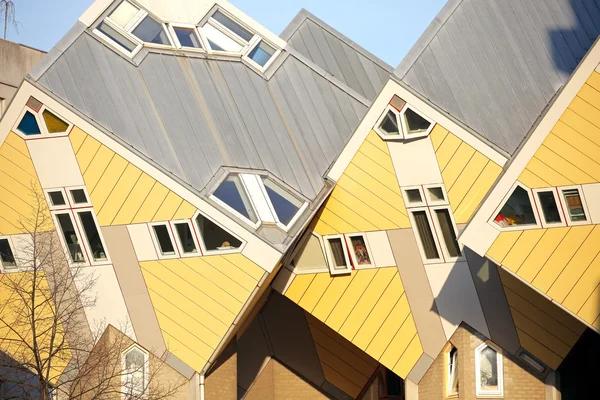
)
(519, 382)
(221, 382)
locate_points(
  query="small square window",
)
(7, 258)
(574, 205)
(414, 196)
(56, 198)
(187, 37)
(123, 14)
(397, 103)
(337, 255)
(34, 104)
(78, 196)
(262, 53)
(435, 194)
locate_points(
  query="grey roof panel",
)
(495, 66)
(336, 54)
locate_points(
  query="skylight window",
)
(262, 53)
(120, 40)
(232, 193)
(284, 204)
(219, 41)
(187, 37)
(232, 26)
(123, 14)
(151, 31)
(400, 121)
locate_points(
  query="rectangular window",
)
(7, 258)
(359, 250)
(548, 205)
(163, 240)
(574, 205)
(218, 41)
(187, 37)
(79, 197)
(123, 14)
(2, 105)
(425, 232)
(262, 53)
(337, 255)
(92, 235)
(446, 226)
(414, 197)
(57, 199)
(186, 238)
(232, 26)
(452, 372)
(122, 42)
(70, 237)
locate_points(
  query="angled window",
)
(488, 371)
(54, 124)
(548, 204)
(219, 41)
(232, 26)
(29, 124)
(70, 237)
(415, 124)
(79, 197)
(574, 205)
(337, 256)
(151, 31)
(135, 372)
(57, 199)
(359, 250)
(215, 238)
(94, 241)
(232, 193)
(284, 204)
(413, 196)
(517, 211)
(445, 225)
(7, 258)
(262, 53)
(187, 37)
(163, 240)
(435, 194)
(452, 384)
(187, 243)
(309, 255)
(124, 14)
(121, 41)
(388, 123)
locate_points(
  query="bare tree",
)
(8, 8)
(47, 346)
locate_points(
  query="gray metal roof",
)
(495, 65)
(192, 115)
(336, 54)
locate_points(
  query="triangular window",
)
(29, 125)
(284, 204)
(232, 193)
(53, 123)
(517, 210)
(214, 237)
(415, 123)
(389, 124)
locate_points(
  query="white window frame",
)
(419, 240)
(536, 215)
(274, 215)
(405, 130)
(71, 201)
(38, 118)
(44, 128)
(538, 205)
(407, 202)
(178, 242)
(381, 133)
(220, 202)
(171, 27)
(499, 367)
(227, 31)
(78, 233)
(437, 231)
(450, 373)
(253, 43)
(134, 20)
(16, 268)
(353, 255)
(331, 259)
(433, 203)
(203, 248)
(116, 46)
(565, 209)
(75, 214)
(51, 206)
(157, 247)
(146, 370)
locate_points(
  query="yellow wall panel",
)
(565, 147)
(333, 221)
(517, 254)
(541, 253)
(457, 164)
(168, 208)
(313, 294)
(584, 288)
(566, 167)
(376, 155)
(437, 135)
(185, 211)
(237, 276)
(97, 167)
(577, 140)
(400, 313)
(581, 125)
(246, 265)
(350, 298)
(399, 343)
(119, 194)
(18, 144)
(590, 310)
(151, 203)
(332, 295)
(546, 355)
(347, 213)
(531, 180)
(134, 201)
(108, 181)
(502, 245)
(77, 136)
(410, 357)
(546, 173)
(447, 149)
(298, 287)
(366, 217)
(543, 336)
(86, 152)
(476, 194)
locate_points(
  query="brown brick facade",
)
(221, 382)
(519, 382)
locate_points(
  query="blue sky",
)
(387, 28)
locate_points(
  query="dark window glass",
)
(92, 235)
(448, 233)
(414, 196)
(117, 37)
(29, 125)
(574, 205)
(395, 385)
(187, 37)
(57, 198)
(215, 237)
(285, 204)
(186, 238)
(549, 207)
(232, 193)
(360, 250)
(70, 236)
(389, 125)
(53, 123)
(426, 235)
(415, 122)
(6, 254)
(79, 196)
(436, 194)
(517, 210)
(151, 31)
(337, 250)
(261, 53)
(233, 26)
(164, 240)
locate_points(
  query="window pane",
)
(389, 125)
(337, 250)
(79, 196)
(426, 235)
(359, 247)
(53, 123)
(233, 26)
(453, 371)
(232, 193)
(57, 198)
(549, 207)
(397, 102)
(215, 237)
(262, 53)
(517, 210)
(70, 236)
(6, 254)
(219, 41)
(574, 205)
(447, 228)
(394, 384)
(436, 194)
(187, 37)
(186, 238)
(284, 203)
(29, 125)
(123, 14)
(92, 235)
(488, 369)
(34, 104)
(310, 256)
(414, 196)
(151, 31)
(164, 240)
(415, 123)
(135, 368)
(116, 37)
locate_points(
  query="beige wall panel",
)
(418, 291)
(381, 249)
(133, 287)
(592, 198)
(142, 242)
(415, 162)
(456, 297)
(420, 368)
(55, 162)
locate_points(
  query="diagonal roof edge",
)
(304, 14)
(430, 32)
